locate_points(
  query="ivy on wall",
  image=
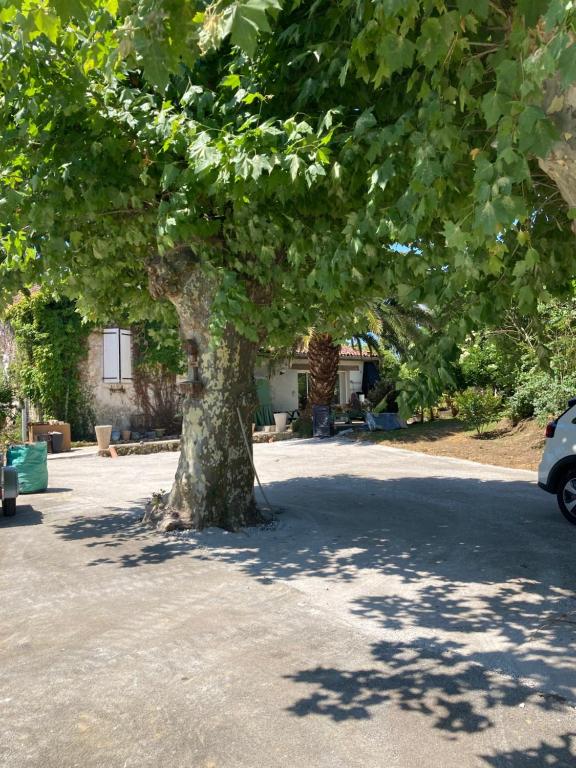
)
(159, 358)
(51, 344)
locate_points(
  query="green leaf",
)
(295, 165)
(487, 219)
(245, 20)
(47, 23)
(454, 236)
(364, 122)
(70, 9)
(493, 107)
(567, 65)
(532, 10)
(478, 7)
(231, 81)
(536, 132)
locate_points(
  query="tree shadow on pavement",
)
(462, 559)
(439, 687)
(117, 529)
(544, 755)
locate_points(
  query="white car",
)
(557, 470)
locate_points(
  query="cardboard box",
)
(36, 428)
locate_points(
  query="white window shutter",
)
(125, 355)
(111, 354)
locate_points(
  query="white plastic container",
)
(281, 419)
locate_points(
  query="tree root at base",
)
(159, 515)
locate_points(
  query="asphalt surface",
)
(402, 611)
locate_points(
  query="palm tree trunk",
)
(323, 358)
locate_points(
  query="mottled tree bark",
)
(214, 484)
(560, 165)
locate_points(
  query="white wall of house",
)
(108, 373)
(284, 381)
(284, 390)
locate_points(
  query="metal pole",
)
(25, 421)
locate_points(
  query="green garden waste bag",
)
(31, 464)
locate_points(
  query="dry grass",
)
(519, 447)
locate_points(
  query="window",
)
(304, 390)
(117, 355)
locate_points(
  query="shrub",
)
(553, 399)
(490, 363)
(302, 426)
(8, 413)
(51, 343)
(6, 402)
(478, 407)
(541, 395)
(521, 404)
(383, 396)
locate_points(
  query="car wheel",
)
(9, 507)
(567, 496)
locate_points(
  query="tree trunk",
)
(323, 359)
(214, 484)
(560, 164)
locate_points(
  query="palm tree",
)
(323, 359)
(390, 325)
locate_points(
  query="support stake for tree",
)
(249, 452)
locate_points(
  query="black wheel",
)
(9, 507)
(567, 496)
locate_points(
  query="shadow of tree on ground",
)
(462, 558)
(543, 756)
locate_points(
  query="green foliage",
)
(157, 344)
(7, 409)
(295, 168)
(51, 343)
(490, 362)
(159, 358)
(541, 395)
(302, 426)
(478, 407)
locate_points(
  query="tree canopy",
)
(306, 152)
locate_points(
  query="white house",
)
(289, 381)
(107, 371)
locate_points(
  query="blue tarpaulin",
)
(384, 421)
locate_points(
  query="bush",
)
(302, 426)
(478, 407)
(541, 395)
(552, 400)
(490, 364)
(8, 411)
(383, 396)
(521, 404)
(6, 398)
(51, 343)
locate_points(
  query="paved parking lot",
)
(404, 611)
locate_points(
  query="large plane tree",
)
(159, 150)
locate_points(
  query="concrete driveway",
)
(406, 611)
